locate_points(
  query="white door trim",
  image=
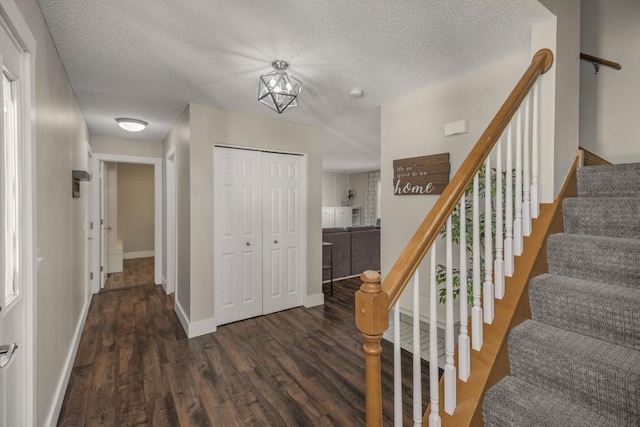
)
(90, 226)
(158, 191)
(172, 249)
(101, 219)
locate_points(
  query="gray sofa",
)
(355, 249)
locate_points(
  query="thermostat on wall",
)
(456, 128)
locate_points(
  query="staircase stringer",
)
(492, 364)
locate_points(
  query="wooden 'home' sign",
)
(421, 175)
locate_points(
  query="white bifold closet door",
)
(258, 239)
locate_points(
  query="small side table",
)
(328, 264)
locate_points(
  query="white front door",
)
(17, 253)
(237, 233)
(282, 225)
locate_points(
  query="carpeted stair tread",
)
(602, 216)
(609, 180)
(515, 403)
(577, 362)
(585, 371)
(598, 310)
(613, 260)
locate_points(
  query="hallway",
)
(299, 367)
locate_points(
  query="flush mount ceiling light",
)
(277, 89)
(131, 125)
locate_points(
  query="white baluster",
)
(397, 367)
(464, 345)
(476, 310)
(517, 222)
(508, 219)
(449, 367)
(488, 249)
(498, 265)
(535, 147)
(526, 174)
(434, 392)
(417, 360)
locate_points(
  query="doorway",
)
(258, 232)
(150, 269)
(129, 221)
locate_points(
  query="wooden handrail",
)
(428, 231)
(600, 61)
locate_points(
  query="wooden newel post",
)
(372, 319)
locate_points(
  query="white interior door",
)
(17, 256)
(104, 244)
(238, 234)
(115, 250)
(282, 225)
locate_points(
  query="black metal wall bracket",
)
(76, 177)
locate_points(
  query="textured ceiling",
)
(148, 59)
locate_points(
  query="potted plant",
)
(441, 275)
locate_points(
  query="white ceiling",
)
(148, 59)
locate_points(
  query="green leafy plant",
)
(441, 270)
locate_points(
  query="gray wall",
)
(610, 101)
(126, 147)
(563, 37)
(135, 207)
(179, 139)
(413, 126)
(62, 289)
(211, 125)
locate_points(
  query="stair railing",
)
(597, 62)
(519, 116)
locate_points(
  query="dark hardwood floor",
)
(299, 367)
(135, 272)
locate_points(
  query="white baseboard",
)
(139, 254)
(182, 317)
(194, 329)
(54, 414)
(163, 283)
(313, 300)
(202, 327)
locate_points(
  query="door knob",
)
(6, 353)
(248, 244)
(275, 241)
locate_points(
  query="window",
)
(9, 193)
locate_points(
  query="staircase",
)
(577, 361)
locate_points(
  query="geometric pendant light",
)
(277, 89)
